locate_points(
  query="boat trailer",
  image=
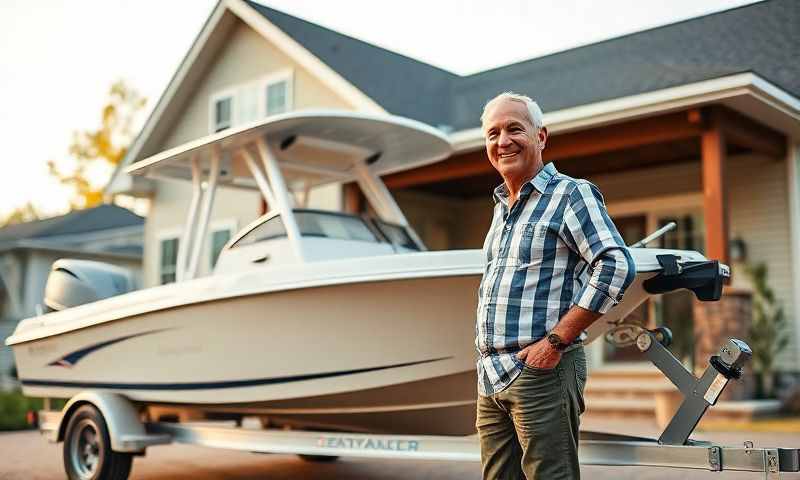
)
(130, 436)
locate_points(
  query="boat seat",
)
(76, 282)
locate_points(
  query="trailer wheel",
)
(319, 458)
(87, 449)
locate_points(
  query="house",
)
(696, 122)
(27, 250)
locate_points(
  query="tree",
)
(107, 145)
(768, 335)
(21, 214)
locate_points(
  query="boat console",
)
(324, 235)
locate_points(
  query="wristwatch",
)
(557, 342)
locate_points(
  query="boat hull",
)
(382, 344)
(330, 356)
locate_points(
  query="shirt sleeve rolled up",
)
(591, 233)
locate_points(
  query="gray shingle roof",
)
(94, 219)
(763, 38)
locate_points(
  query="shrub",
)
(14, 408)
(768, 332)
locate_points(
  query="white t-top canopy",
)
(314, 146)
(285, 156)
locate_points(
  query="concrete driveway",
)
(27, 456)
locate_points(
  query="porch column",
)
(712, 143)
(352, 198)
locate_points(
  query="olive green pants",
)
(530, 429)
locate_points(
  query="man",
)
(554, 264)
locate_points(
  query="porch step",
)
(643, 393)
(612, 388)
(620, 406)
(627, 372)
(625, 391)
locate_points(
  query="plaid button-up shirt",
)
(555, 248)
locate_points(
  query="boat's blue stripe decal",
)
(72, 358)
(217, 385)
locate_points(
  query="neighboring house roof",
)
(761, 38)
(65, 232)
(103, 217)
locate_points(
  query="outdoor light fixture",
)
(738, 250)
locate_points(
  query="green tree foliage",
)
(768, 336)
(14, 408)
(107, 144)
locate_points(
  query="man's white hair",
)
(534, 112)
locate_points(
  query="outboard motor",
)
(76, 282)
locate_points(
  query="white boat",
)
(311, 319)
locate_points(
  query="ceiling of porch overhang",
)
(647, 156)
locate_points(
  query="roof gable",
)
(210, 40)
(395, 81)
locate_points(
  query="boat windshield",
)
(313, 223)
(395, 234)
(335, 225)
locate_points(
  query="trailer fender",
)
(125, 429)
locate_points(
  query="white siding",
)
(758, 197)
(793, 181)
(246, 57)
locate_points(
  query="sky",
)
(58, 59)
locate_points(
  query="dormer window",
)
(277, 97)
(223, 113)
(269, 95)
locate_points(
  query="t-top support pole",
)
(185, 245)
(283, 202)
(381, 199)
(378, 195)
(258, 175)
(208, 202)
